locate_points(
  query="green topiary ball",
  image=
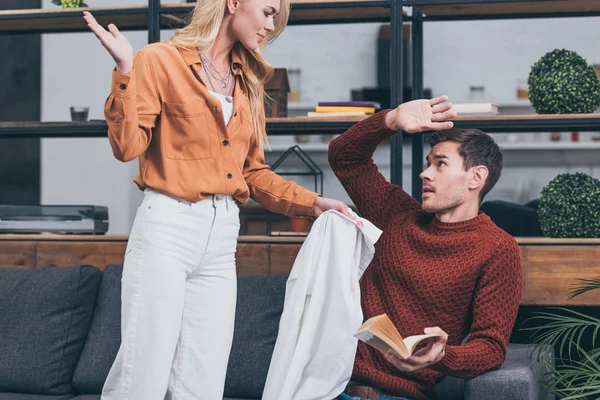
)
(570, 207)
(562, 82)
(70, 3)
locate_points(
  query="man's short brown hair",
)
(476, 148)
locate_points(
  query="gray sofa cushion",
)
(518, 378)
(259, 307)
(85, 397)
(96, 397)
(23, 396)
(45, 316)
(104, 336)
(450, 389)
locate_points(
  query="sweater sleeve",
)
(351, 159)
(495, 306)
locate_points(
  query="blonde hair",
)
(202, 30)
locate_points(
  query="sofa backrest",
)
(259, 306)
(104, 335)
(45, 315)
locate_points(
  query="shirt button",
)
(225, 142)
(229, 176)
(122, 86)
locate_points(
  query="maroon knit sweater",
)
(464, 277)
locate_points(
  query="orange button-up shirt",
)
(162, 113)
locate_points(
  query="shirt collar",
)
(191, 56)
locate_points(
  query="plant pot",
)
(299, 224)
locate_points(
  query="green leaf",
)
(586, 286)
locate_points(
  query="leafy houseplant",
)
(69, 3)
(570, 207)
(562, 82)
(578, 376)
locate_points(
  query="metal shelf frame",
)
(461, 10)
(155, 17)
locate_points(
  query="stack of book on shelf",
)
(345, 109)
(475, 109)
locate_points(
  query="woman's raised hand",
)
(115, 43)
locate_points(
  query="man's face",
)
(445, 182)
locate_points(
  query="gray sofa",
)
(60, 331)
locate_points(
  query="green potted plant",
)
(570, 207)
(562, 82)
(70, 3)
(576, 374)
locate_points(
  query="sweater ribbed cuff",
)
(382, 129)
(449, 363)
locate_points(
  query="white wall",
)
(76, 70)
(497, 54)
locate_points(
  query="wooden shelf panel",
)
(546, 241)
(549, 271)
(56, 20)
(98, 129)
(309, 12)
(531, 123)
(502, 9)
(283, 238)
(319, 126)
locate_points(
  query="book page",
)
(382, 328)
(374, 341)
(412, 341)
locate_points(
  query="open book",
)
(380, 333)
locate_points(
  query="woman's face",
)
(252, 19)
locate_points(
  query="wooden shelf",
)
(546, 241)
(57, 20)
(504, 9)
(9, 237)
(321, 126)
(98, 129)
(550, 266)
(531, 123)
(530, 241)
(310, 12)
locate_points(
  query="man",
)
(440, 267)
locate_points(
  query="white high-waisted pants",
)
(178, 301)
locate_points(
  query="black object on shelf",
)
(515, 219)
(312, 169)
(381, 95)
(80, 219)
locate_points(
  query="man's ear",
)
(478, 177)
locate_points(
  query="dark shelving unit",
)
(97, 129)
(461, 10)
(155, 17)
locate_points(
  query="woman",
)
(191, 110)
